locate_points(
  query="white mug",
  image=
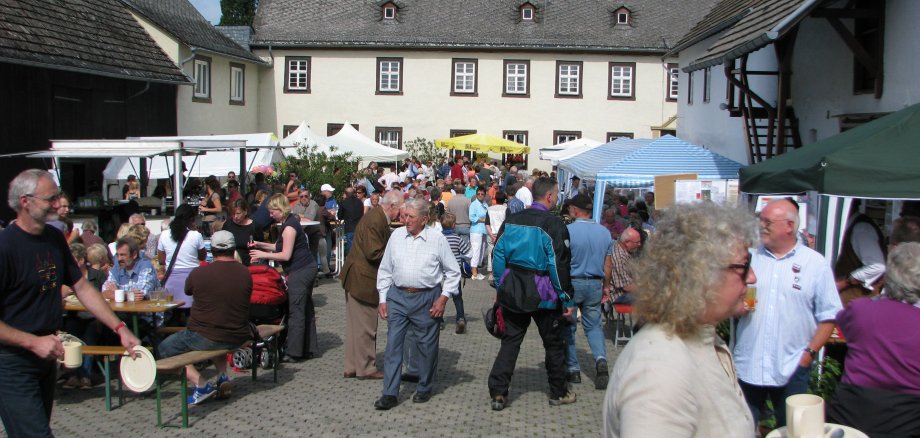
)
(119, 295)
(805, 416)
(73, 354)
(129, 294)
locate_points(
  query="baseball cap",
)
(582, 201)
(326, 188)
(223, 240)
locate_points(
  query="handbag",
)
(172, 262)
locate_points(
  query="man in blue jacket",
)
(532, 264)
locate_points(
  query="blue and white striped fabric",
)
(587, 164)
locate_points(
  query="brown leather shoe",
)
(376, 375)
(350, 375)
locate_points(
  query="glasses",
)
(741, 268)
(52, 198)
(303, 196)
(769, 223)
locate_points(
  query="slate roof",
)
(719, 18)
(96, 37)
(241, 35)
(578, 25)
(756, 24)
(184, 22)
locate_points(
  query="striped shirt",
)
(460, 248)
(620, 275)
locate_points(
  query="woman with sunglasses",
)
(676, 376)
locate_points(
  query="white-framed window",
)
(389, 12)
(237, 83)
(297, 74)
(568, 79)
(565, 136)
(520, 160)
(673, 74)
(389, 75)
(202, 90)
(622, 80)
(622, 16)
(527, 13)
(516, 78)
(707, 83)
(390, 136)
(611, 136)
(464, 76)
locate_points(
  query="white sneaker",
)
(479, 277)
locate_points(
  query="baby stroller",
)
(268, 305)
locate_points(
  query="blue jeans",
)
(458, 302)
(463, 231)
(756, 396)
(588, 295)
(26, 392)
(348, 239)
(187, 340)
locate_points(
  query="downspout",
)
(186, 60)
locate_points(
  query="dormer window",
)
(389, 11)
(527, 11)
(622, 16)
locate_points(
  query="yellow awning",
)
(483, 143)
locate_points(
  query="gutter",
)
(90, 71)
(191, 57)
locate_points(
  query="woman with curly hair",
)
(676, 376)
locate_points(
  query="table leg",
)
(137, 329)
(159, 415)
(184, 399)
(108, 383)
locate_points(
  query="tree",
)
(424, 150)
(315, 168)
(237, 12)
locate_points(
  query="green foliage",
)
(825, 383)
(317, 168)
(237, 12)
(424, 150)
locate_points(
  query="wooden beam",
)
(862, 56)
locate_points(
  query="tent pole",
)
(241, 177)
(177, 177)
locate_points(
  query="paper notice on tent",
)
(716, 191)
(665, 188)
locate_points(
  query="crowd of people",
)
(413, 234)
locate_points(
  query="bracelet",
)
(118, 327)
(813, 353)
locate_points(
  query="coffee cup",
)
(73, 354)
(129, 295)
(119, 295)
(805, 416)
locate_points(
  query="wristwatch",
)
(809, 350)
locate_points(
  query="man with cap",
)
(590, 244)
(331, 207)
(219, 317)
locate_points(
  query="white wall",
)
(343, 85)
(823, 71)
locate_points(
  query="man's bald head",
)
(630, 240)
(779, 222)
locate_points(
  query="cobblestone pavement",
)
(312, 399)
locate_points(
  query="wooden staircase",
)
(762, 129)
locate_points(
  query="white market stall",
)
(568, 149)
(346, 140)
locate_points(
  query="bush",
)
(315, 168)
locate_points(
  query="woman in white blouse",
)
(676, 377)
(182, 229)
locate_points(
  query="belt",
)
(587, 278)
(413, 290)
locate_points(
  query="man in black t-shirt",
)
(351, 210)
(35, 262)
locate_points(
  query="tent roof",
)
(568, 149)
(587, 164)
(876, 160)
(131, 147)
(346, 140)
(482, 143)
(666, 156)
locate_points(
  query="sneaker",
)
(498, 402)
(568, 398)
(201, 394)
(86, 383)
(479, 277)
(72, 382)
(223, 386)
(602, 374)
(461, 327)
(574, 377)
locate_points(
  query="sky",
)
(209, 8)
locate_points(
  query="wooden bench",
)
(168, 330)
(110, 353)
(179, 362)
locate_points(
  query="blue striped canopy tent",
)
(587, 164)
(667, 155)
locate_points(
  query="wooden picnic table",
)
(132, 307)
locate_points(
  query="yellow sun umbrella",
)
(482, 143)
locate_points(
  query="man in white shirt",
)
(411, 298)
(524, 194)
(388, 179)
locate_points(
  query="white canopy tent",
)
(346, 140)
(568, 149)
(223, 156)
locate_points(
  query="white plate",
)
(848, 432)
(139, 373)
